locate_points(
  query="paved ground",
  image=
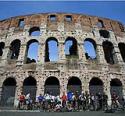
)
(38, 113)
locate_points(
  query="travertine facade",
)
(61, 26)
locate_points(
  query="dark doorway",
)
(104, 33)
(29, 86)
(74, 84)
(109, 53)
(14, 49)
(52, 86)
(116, 86)
(8, 92)
(95, 86)
(122, 50)
(2, 44)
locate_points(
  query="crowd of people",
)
(71, 101)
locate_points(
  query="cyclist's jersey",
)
(22, 98)
(40, 98)
(64, 98)
(69, 96)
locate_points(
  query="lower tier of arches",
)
(12, 88)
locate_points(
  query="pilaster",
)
(61, 51)
(22, 55)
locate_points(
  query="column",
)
(41, 53)
(19, 89)
(40, 88)
(81, 52)
(63, 83)
(107, 91)
(85, 86)
(118, 55)
(22, 55)
(61, 51)
(5, 55)
(100, 54)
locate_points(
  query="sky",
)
(113, 9)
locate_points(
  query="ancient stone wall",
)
(61, 27)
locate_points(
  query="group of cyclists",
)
(71, 101)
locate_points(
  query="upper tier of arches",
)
(70, 49)
(69, 19)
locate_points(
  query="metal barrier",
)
(53, 89)
(31, 90)
(8, 96)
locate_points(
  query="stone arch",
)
(14, 49)
(116, 86)
(71, 47)
(52, 86)
(30, 86)
(104, 33)
(95, 85)
(74, 84)
(90, 48)
(34, 31)
(51, 49)
(8, 92)
(32, 51)
(122, 50)
(108, 49)
(2, 45)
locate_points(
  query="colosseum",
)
(75, 68)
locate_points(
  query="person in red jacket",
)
(64, 99)
(21, 100)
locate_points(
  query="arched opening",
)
(100, 24)
(95, 86)
(8, 92)
(2, 44)
(68, 18)
(71, 47)
(14, 49)
(108, 49)
(32, 51)
(90, 48)
(52, 18)
(51, 50)
(104, 33)
(21, 23)
(122, 50)
(116, 86)
(29, 86)
(52, 86)
(34, 31)
(74, 84)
